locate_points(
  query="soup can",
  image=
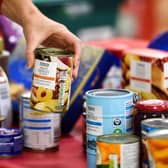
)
(155, 149)
(107, 111)
(51, 82)
(41, 130)
(117, 151)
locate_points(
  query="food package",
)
(146, 72)
(94, 65)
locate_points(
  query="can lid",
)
(118, 138)
(43, 51)
(152, 105)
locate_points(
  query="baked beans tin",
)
(51, 83)
(5, 101)
(155, 149)
(117, 151)
(11, 142)
(41, 130)
(146, 109)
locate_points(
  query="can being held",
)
(155, 149)
(51, 83)
(41, 130)
(117, 151)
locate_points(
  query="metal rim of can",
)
(152, 105)
(118, 138)
(163, 133)
(155, 122)
(109, 93)
(52, 52)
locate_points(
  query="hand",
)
(50, 34)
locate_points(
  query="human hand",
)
(50, 34)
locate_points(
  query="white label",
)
(94, 120)
(141, 75)
(44, 74)
(165, 75)
(41, 131)
(130, 155)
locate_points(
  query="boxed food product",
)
(146, 71)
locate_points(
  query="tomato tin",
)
(11, 142)
(41, 130)
(155, 149)
(145, 109)
(117, 151)
(51, 83)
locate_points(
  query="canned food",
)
(11, 142)
(117, 151)
(51, 83)
(41, 130)
(148, 127)
(155, 149)
(5, 101)
(146, 109)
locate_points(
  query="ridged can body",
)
(51, 82)
(107, 111)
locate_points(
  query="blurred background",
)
(90, 20)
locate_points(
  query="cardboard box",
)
(146, 71)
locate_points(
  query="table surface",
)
(69, 155)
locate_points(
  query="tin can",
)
(145, 109)
(155, 149)
(51, 83)
(5, 101)
(41, 130)
(148, 127)
(11, 142)
(117, 151)
(107, 111)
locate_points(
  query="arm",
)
(39, 29)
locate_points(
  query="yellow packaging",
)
(146, 72)
(51, 82)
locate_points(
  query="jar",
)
(144, 109)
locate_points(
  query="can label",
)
(155, 152)
(41, 130)
(5, 101)
(117, 155)
(51, 82)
